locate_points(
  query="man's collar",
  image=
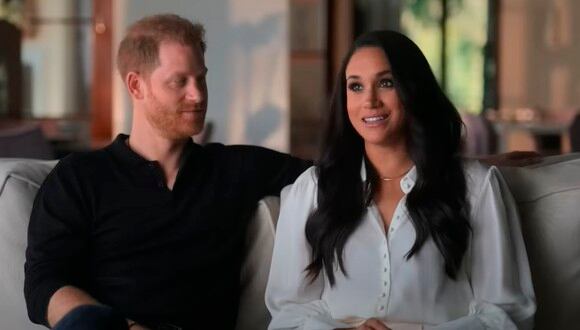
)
(124, 153)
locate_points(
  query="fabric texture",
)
(493, 288)
(548, 199)
(252, 313)
(19, 182)
(92, 317)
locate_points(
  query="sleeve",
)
(498, 265)
(57, 236)
(293, 299)
(269, 171)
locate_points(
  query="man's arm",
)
(58, 235)
(269, 171)
(65, 300)
(514, 158)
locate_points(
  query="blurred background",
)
(512, 67)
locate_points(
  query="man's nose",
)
(196, 91)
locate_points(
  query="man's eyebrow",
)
(200, 73)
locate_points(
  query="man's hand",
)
(514, 158)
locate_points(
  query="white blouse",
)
(493, 289)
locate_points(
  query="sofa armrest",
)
(19, 182)
(548, 195)
(252, 313)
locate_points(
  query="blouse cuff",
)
(310, 316)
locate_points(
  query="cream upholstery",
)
(19, 181)
(252, 313)
(548, 197)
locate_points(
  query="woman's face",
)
(373, 105)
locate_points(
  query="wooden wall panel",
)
(101, 89)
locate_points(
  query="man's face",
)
(176, 93)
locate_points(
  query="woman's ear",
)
(135, 85)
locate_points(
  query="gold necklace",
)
(386, 178)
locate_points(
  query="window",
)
(458, 39)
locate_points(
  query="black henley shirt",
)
(105, 222)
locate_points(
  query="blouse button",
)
(384, 295)
(381, 308)
(385, 256)
(385, 269)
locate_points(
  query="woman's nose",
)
(371, 100)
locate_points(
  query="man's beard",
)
(169, 122)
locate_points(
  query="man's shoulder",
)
(87, 158)
(85, 162)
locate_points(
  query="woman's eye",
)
(386, 83)
(355, 87)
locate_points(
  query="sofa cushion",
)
(19, 182)
(253, 313)
(548, 198)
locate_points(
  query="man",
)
(149, 230)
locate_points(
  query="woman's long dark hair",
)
(437, 203)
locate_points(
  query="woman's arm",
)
(292, 298)
(498, 264)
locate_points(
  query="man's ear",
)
(135, 85)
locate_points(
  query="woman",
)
(392, 229)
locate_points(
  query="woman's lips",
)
(375, 120)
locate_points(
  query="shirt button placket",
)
(385, 281)
(158, 178)
(395, 223)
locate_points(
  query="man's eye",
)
(179, 82)
(386, 83)
(355, 87)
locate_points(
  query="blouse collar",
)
(407, 182)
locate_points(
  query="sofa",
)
(547, 195)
